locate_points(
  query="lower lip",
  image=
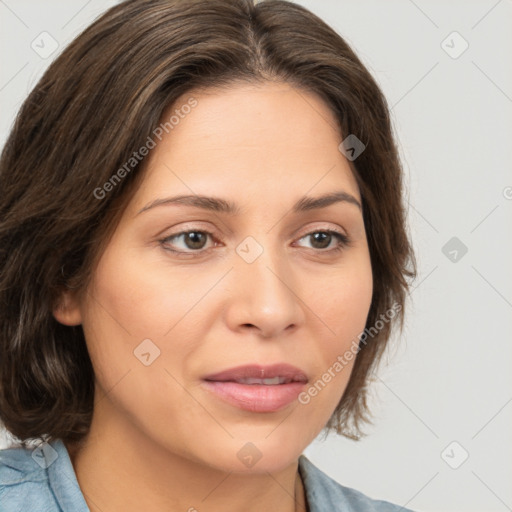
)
(256, 397)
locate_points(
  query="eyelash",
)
(343, 241)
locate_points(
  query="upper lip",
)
(287, 371)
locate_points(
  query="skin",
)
(158, 440)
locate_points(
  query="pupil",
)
(322, 237)
(195, 239)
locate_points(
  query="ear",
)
(67, 311)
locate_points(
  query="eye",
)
(323, 240)
(192, 241)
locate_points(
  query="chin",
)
(255, 456)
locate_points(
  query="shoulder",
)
(325, 494)
(24, 483)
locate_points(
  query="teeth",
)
(268, 382)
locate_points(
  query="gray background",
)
(448, 378)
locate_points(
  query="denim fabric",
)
(43, 480)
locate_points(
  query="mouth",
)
(257, 388)
(271, 381)
(280, 373)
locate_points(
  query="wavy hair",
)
(95, 105)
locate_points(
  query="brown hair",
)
(97, 103)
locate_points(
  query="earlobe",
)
(67, 310)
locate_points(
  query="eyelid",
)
(310, 230)
(306, 231)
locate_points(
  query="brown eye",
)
(322, 240)
(195, 239)
(191, 241)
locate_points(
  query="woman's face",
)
(186, 290)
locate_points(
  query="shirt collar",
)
(63, 481)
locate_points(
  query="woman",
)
(203, 251)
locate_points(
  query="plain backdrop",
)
(443, 398)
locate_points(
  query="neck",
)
(119, 468)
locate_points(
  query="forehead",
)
(259, 140)
(259, 108)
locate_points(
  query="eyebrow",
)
(223, 206)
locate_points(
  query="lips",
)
(257, 388)
(256, 374)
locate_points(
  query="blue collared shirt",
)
(43, 480)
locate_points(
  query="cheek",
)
(345, 302)
(146, 299)
(343, 307)
(132, 301)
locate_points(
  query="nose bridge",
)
(265, 288)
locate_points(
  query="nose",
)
(265, 296)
